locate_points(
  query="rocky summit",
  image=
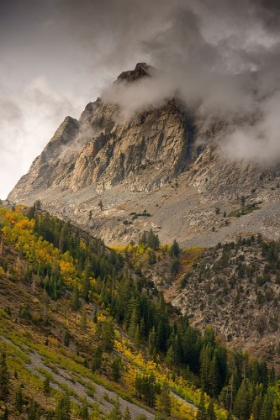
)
(159, 169)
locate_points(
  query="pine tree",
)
(46, 385)
(67, 338)
(97, 359)
(62, 411)
(165, 400)
(86, 283)
(34, 412)
(214, 377)
(152, 240)
(205, 362)
(108, 335)
(75, 302)
(84, 411)
(38, 205)
(4, 377)
(145, 386)
(272, 376)
(133, 320)
(19, 399)
(209, 335)
(152, 259)
(242, 402)
(152, 341)
(31, 212)
(170, 356)
(264, 376)
(5, 415)
(222, 367)
(126, 414)
(267, 406)
(100, 204)
(137, 336)
(229, 416)
(235, 382)
(175, 267)
(175, 249)
(201, 412)
(211, 412)
(116, 413)
(257, 405)
(143, 239)
(83, 321)
(116, 368)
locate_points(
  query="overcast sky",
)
(57, 55)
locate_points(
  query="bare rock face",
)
(141, 70)
(41, 171)
(158, 142)
(102, 169)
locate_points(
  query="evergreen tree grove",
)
(62, 411)
(4, 377)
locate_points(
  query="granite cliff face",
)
(102, 150)
(100, 169)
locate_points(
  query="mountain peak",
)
(141, 70)
(165, 160)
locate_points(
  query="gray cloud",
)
(222, 55)
(27, 120)
(9, 111)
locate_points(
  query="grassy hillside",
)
(85, 334)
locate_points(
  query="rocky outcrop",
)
(101, 151)
(43, 166)
(141, 70)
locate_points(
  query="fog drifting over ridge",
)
(60, 54)
(230, 75)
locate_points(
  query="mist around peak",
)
(223, 61)
(222, 57)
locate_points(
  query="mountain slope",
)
(80, 322)
(56, 328)
(165, 160)
(235, 288)
(232, 287)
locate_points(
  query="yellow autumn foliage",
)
(18, 229)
